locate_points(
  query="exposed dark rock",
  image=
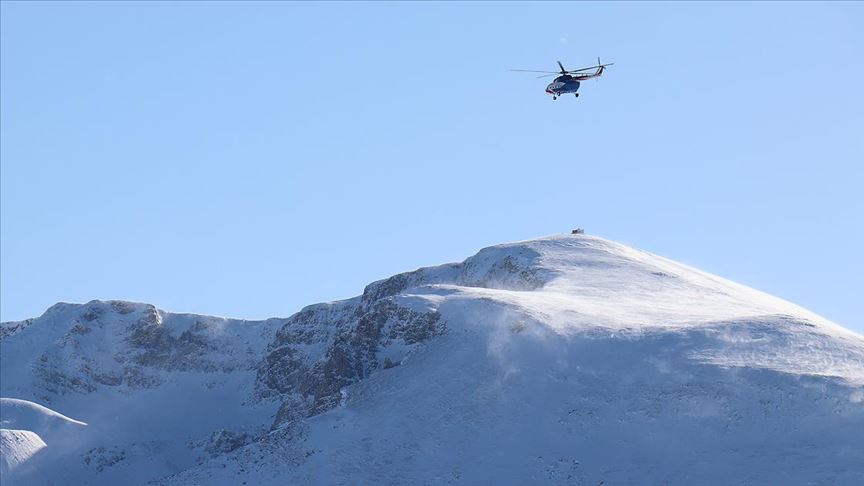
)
(662, 275)
(282, 370)
(122, 344)
(108, 379)
(326, 347)
(514, 272)
(80, 329)
(134, 377)
(104, 457)
(58, 382)
(292, 409)
(122, 307)
(413, 327)
(161, 349)
(351, 342)
(224, 441)
(92, 314)
(9, 328)
(391, 286)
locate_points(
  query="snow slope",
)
(26, 428)
(16, 447)
(562, 360)
(148, 383)
(24, 414)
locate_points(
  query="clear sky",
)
(249, 159)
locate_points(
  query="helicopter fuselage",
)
(563, 85)
(569, 83)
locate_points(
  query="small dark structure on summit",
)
(578, 231)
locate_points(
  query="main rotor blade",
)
(547, 75)
(590, 68)
(533, 71)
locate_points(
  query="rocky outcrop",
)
(326, 347)
(516, 268)
(157, 346)
(130, 345)
(517, 271)
(322, 349)
(9, 328)
(224, 441)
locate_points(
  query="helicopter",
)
(568, 81)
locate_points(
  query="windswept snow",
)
(568, 359)
(16, 447)
(614, 285)
(148, 383)
(25, 414)
(25, 430)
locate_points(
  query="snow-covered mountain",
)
(562, 360)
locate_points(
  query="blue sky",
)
(249, 159)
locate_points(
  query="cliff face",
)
(323, 349)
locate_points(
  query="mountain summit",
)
(568, 359)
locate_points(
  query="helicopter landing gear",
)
(554, 97)
(577, 94)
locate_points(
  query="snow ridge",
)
(23, 413)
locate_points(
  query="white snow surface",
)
(26, 414)
(568, 359)
(16, 447)
(24, 429)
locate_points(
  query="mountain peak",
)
(586, 280)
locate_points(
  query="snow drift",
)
(25, 427)
(16, 447)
